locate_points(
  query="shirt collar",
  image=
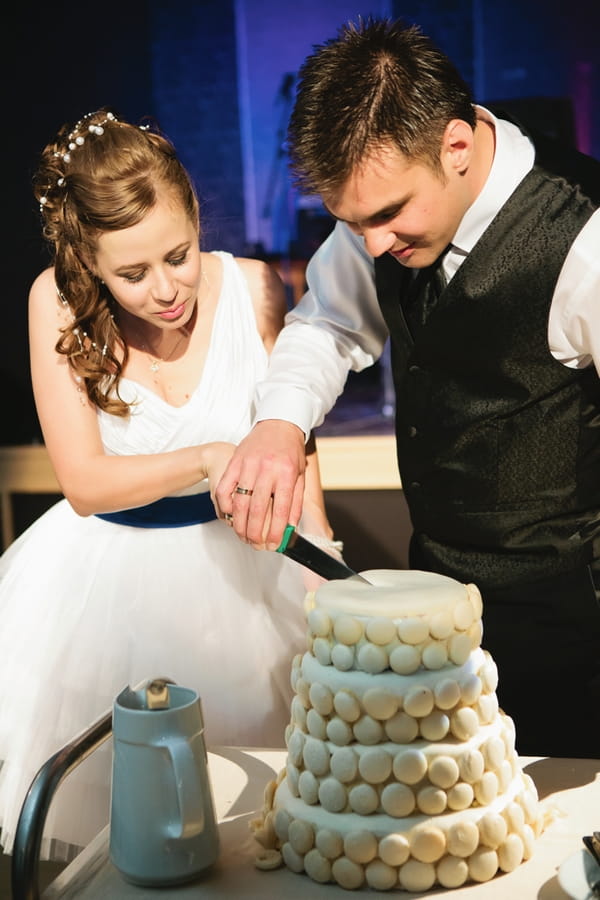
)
(513, 158)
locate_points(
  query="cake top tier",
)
(391, 593)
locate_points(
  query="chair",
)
(30, 827)
(32, 818)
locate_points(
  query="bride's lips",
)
(173, 313)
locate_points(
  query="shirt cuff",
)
(289, 404)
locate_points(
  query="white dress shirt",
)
(338, 325)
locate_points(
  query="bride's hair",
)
(101, 174)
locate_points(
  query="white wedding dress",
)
(88, 606)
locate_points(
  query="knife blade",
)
(592, 842)
(307, 554)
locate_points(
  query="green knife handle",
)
(289, 530)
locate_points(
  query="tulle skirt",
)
(88, 607)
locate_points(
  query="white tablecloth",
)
(571, 788)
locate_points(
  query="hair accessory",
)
(82, 336)
(76, 139)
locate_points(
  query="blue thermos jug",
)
(163, 829)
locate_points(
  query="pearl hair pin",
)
(76, 139)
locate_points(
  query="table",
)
(569, 787)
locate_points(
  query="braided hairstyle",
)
(102, 174)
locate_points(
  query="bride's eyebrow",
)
(174, 251)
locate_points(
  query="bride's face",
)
(153, 269)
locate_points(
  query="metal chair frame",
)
(32, 818)
(30, 827)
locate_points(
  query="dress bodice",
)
(221, 406)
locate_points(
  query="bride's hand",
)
(215, 457)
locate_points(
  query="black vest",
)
(498, 443)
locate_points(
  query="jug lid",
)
(157, 694)
(153, 694)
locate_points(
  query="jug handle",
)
(188, 785)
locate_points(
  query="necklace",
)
(155, 360)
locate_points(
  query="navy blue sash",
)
(169, 512)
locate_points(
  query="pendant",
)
(154, 366)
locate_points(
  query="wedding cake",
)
(401, 769)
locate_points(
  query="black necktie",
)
(427, 286)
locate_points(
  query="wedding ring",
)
(228, 517)
(241, 490)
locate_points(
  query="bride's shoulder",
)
(45, 299)
(260, 275)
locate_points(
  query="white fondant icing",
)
(339, 732)
(348, 874)
(329, 843)
(316, 724)
(381, 631)
(428, 843)
(360, 846)
(321, 698)
(483, 864)
(380, 703)
(401, 770)
(380, 876)
(344, 764)
(375, 765)
(398, 800)
(444, 772)
(452, 872)
(301, 836)
(372, 658)
(435, 726)
(356, 682)
(333, 795)
(418, 701)
(462, 839)
(432, 800)
(405, 660)
(391, 593)
(347, 629)
(511, 853)
(317, 866)
(394, 849)
(381, 824)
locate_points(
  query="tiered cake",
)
(401, 769)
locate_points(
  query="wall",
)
(545, 49)
(524, 50)
(195, 94)
(374, 526)
(273, 39)
(58, 67)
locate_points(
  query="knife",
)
(311, 556)
(592, 842)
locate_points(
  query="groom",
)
(475, 248)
